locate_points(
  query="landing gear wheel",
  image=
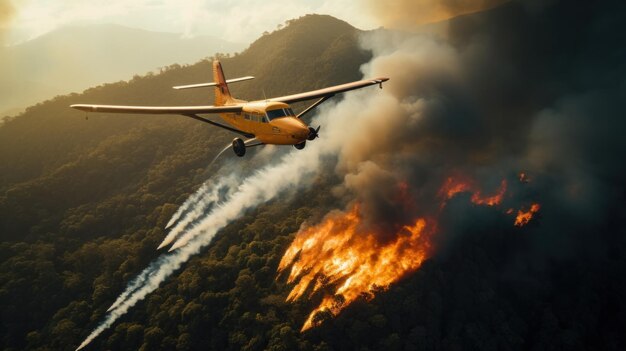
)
(300, 146)
(239, 147)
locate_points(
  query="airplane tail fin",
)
(222, 93)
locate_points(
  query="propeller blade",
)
(313, 133)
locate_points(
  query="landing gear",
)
(300, 146)
(239, 147)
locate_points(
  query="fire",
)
(523, 178)
(453, 186)
(523, 217)
(345, 260)
(338, 253)
(492, 200)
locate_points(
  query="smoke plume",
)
(520, 87)
(502, 91)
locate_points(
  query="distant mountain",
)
(74, 58)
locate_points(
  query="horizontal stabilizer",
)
(202, 85)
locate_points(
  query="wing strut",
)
(196, 117)
(314, 105)
(252, 143)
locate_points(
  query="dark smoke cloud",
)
(526, 86)
(547, 85)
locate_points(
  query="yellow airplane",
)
(261, 122)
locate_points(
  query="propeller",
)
(313, 133)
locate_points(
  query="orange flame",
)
(453, 186)
(523, 178)
(340, 256)
(523, 217)
(352, 260)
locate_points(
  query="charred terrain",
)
(477, 201)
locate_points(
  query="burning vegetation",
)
(346, 259)
(455, 185)
(523, 217)
(341, 253)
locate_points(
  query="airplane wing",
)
(330, 91)
(187, 111)
(158, 110)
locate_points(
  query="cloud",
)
(238, 21)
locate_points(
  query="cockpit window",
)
(281, 112)
(255, 117)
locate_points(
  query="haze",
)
(51, 48)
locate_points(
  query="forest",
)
(85, 200)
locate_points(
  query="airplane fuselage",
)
(270, 122)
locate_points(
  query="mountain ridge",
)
(74, 58)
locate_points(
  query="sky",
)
(238, 21)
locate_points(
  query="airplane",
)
(261, 122)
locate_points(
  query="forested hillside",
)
(84, 201)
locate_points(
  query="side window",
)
(260, 118)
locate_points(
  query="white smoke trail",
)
(200, 204)
(293, 170)
(195, 206)
(260, 187)
(130, 288)
(191, 202)
(188, 204)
